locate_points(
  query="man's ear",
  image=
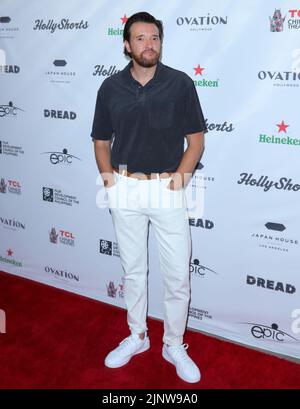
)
(127, 46)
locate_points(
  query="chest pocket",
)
(161, 115)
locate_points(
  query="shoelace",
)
(181, 354)
(126, 342)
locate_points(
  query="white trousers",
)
(133, 203)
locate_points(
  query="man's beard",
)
(144, 61)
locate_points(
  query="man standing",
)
(147, 109)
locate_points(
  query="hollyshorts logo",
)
(109, 248)
(9, 110)
(63, 237)
(9, 259)
(203, 23)
(63, 24)
(222, 127)
(277, 20)
(58, 114)
(57, 196)
(2, 322)
(62, 275)
(58, 74)
(61, 158)
(199, 315)
(201, 82)
(197, 270)
(10, 186)
(275, 238)
(263, 182)
(117, 31)
(11, 224)
(270, 284)
(115, 291)
(280, 139)
(269, 333)
(101, 70)
(7, 28)
(280, 78)
(10, 150)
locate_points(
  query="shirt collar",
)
(158, 75)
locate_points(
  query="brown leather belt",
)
(143, 176)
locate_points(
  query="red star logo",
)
(282, 127)
(198, 70)
(124, 19)
(10, 252)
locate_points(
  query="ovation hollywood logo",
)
(63, 237)
(283, 139)
(57, 196)
(61, 158)
(263, 182)
(117, 31)
(274, 237)
(59, 74)
(11, 224)
(63, 24)
(7, 28)
(206, 83)
(10, 150)
(269, 333)
(203, 23)
(59, 274)
(280, 78)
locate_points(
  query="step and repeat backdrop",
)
(55, 226)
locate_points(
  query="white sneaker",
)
(185, 367)
(130, 346)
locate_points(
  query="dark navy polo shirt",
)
(148, 123)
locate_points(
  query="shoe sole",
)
(167, 357)
(119, 365)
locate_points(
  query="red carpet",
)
(56, 339)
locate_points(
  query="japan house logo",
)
(203, 82)
(117, 31)
(58, 73)
(275, 236)
(281, 138)
(7, 27)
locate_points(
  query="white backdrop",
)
(54, 225)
